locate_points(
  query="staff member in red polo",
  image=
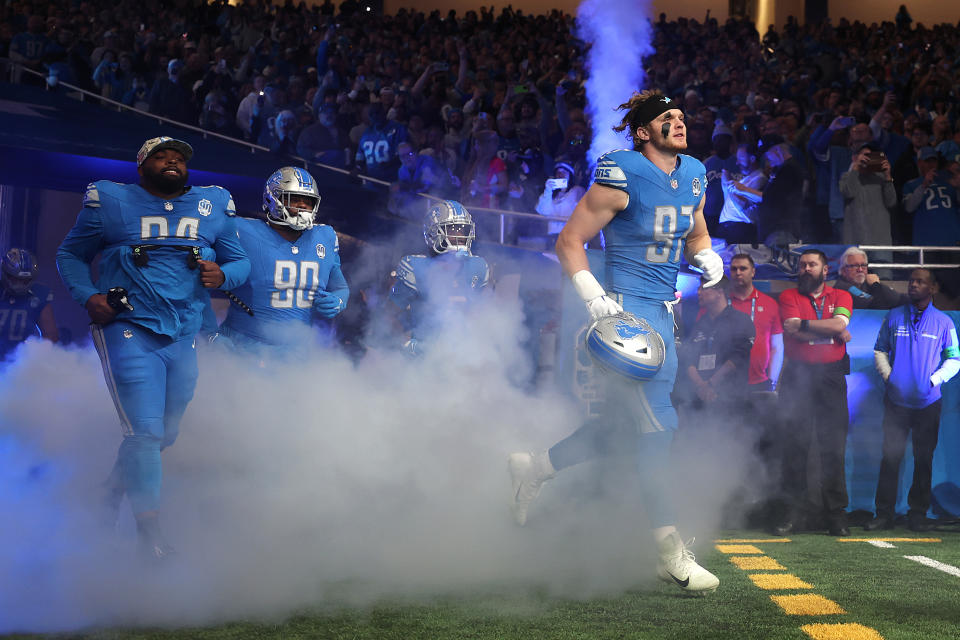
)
(813, 392)
(766, 361)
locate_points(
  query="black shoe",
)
(920, 524)
(879, 523)
(841, 531)
(783, 529)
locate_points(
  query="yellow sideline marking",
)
(889, 539)
(737, 548)
(848, 631)
(754, 563)
(771, 581)
(807, 605)
(753, 540)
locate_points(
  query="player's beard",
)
(666, 141)
(166, 184)
(807, 283)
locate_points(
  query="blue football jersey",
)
(425, 286)
(283, 279)
(645, 241)
(167, 295)
(377, 150)
(19, 315)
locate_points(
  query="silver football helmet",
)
(627, 345)
(18, 270)
(285, 183)
(449, 227)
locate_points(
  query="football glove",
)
(711, 264)
(327, 304)
(599, 304)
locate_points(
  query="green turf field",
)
(807, 586)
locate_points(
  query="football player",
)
(649, 203)
(294, 268)
(25, 305)
(449, 278)
(162, 245)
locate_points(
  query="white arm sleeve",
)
(947, 370)
(882, 362)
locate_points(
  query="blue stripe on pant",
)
(151, 378)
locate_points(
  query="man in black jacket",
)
(865, 288)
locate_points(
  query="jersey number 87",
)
(665, 238)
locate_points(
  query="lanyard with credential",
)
(816, 309)
(753, 307)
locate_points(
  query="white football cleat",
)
(678, 566)
(528, 472)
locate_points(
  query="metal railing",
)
(16, 69)
(921, 251)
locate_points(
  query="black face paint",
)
(665, 129)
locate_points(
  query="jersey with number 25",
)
(645, 241)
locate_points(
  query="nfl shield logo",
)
(673, 184)
(321, 251)
(696, 187)
(205, 207)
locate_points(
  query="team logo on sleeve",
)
(205, 207)
(321, 251)
(697, 187)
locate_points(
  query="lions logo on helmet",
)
(287, 183)
(19, 268)
(449, 227)
(627, 345)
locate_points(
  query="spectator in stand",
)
(281, 136)
(485, 178)
(881, 124)
(322, 141)
(943, 140)
(377, 149)
(832, 158)
(216, 116)
(780, 210)
(742, 192)
(417, 174)
(249, 102)
(28, 47)
(722, 159)
(865, 288)
(916, 353)
(170, 99)
(559, 198)
(905, 167)
(931, 200)
(869, 195)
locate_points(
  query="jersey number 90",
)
(667, 245)
(295, 286)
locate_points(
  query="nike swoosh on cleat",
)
(682, 583)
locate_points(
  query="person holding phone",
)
(559, 198)
(868, 195)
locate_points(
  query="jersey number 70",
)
(666, 242)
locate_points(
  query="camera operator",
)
(868, 195)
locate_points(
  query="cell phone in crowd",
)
(848, 121)
(875, 161)
(556, 183)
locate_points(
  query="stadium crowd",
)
(486, 107)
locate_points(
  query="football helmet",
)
(627, 345)
(285, 183)
(19, 268)
(449, 227)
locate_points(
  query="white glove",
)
(599, 304)
(711, 264)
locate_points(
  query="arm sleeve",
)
(231, 257)
(77, 251)
(889, 194)
(911, 201)
(882, 361)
